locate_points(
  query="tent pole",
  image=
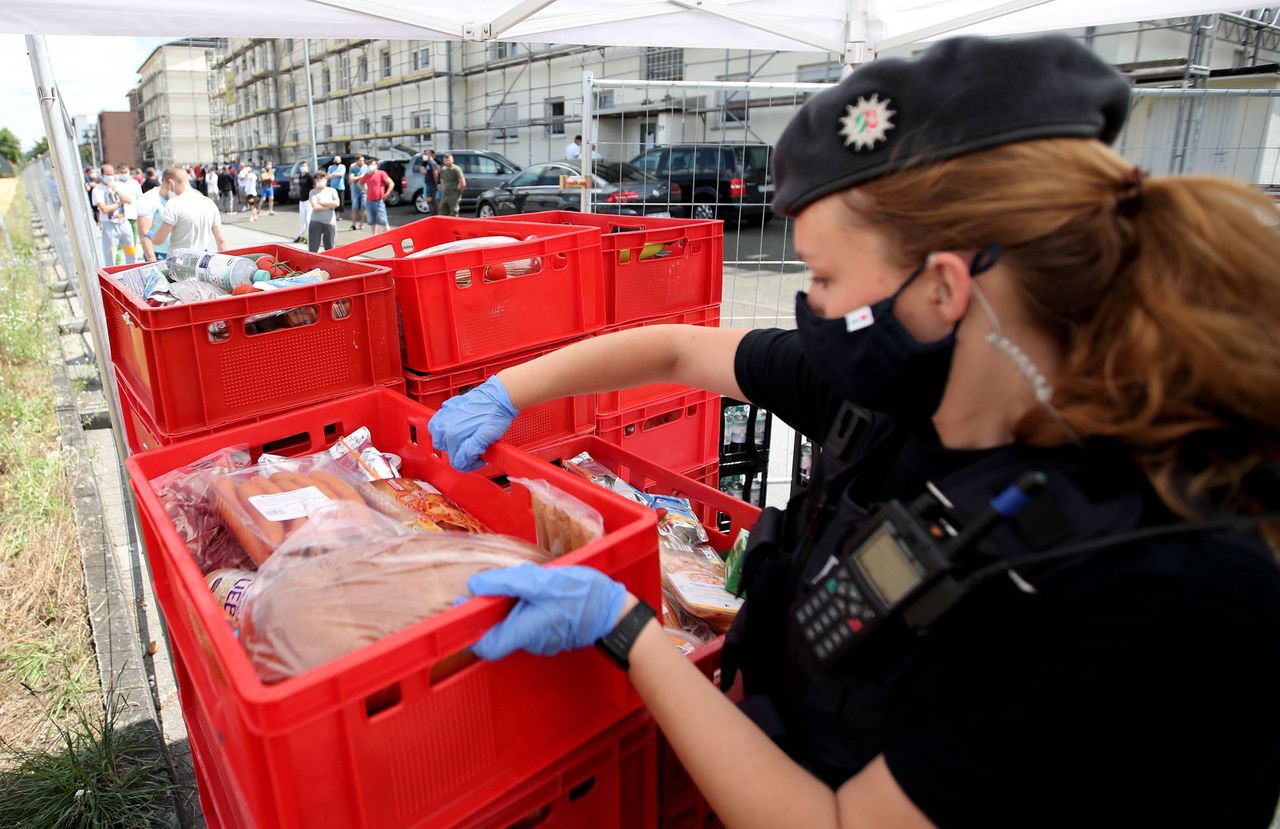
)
(66, 169)
(311, 107)
(588, 112)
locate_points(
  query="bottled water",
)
(215, 268)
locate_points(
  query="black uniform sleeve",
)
(772, 371)
(1141, 702)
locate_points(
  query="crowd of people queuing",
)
(129, 203)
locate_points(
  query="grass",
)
(64, 760)
(99, 775)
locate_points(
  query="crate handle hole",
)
(332, 431)
(283, 446)
(381, 701)
(413, 434)
(462, 278)
(537, 817)
(299, 317)
(450, 665)
(658, 421)
(582, 789)
(341, 309)
(219, 332)
(406, 245)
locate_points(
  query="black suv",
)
(717, 181)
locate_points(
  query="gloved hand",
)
(466, 425)
(560, 608)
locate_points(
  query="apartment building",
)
(172, 97)
(525, 100)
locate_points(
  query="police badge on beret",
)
(866, 122)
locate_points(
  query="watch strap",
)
(617, 643)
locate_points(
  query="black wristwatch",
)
(618, 642)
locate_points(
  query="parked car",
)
(284, 184)
(716, 181)
(619, 188)
(482, 168)
(396, 168)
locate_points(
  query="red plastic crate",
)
(652, 266)
(536, 425)
(609, 783)
(142, 434)
(613, 402)
(408, 730)
(678, 432)
(453, 314)
(195, 367)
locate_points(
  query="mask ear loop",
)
(1041, 387)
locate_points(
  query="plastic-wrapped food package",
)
(355, 453)
(434, 511)
(591, 469)
(677, 520)
(564, 523)
(693, 576)
(186, 494)
(352, 576)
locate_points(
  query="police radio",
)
(907, 561)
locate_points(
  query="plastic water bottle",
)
(215, 268)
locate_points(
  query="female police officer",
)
(998, 294)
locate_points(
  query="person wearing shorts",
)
(269, 188)
(355, 173)
(374, 186)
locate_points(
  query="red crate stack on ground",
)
(409, 730)
(186, 370)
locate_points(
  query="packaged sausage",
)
(186, 494)
(694, 578)
(432, 510)
(230, 587)
(564, 522)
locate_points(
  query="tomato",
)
(264, 262)
(496, 271)
(246, 288)
(279, 269)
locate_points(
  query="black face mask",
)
(873, 361)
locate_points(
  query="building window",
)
(605, 100)
(344, 71)
(288, 45)
(501, 51)
(364, 126)
(555, 117)
(388, 123)
(663, 64)
(291, 92)
(362, 70)
(326, 81)
(421, 58)
(344, 110)
(503, 116)
(733, 103)
(828, 72)
(293, 136)
(386, 63)
(421, 120)
(328, 131)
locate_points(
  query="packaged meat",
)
(564, 523)
(230, 588)
(186, 494)
(591, 469)
(694, 577)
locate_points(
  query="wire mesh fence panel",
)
(42, 191)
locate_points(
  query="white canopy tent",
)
(852, 28)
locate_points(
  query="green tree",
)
(38, 148)
(10, 146)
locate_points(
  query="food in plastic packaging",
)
(432, 510)
(186, 493)
(591, 469)
(694, 578)
(677, 520)
(352, 576)
(230, 588)
(564, 522)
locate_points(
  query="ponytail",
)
(1163, 295)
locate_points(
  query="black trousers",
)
(320, 234)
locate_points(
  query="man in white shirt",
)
(130, 185)
(574, 151)
(191, 219)
(109, 197)
(151, 209)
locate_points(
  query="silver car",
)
(482, 168)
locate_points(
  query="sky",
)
(93, 74)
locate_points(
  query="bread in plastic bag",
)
(564, 522)
(352, 576)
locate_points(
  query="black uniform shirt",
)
(1135, 689)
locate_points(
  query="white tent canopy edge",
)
(842, 27)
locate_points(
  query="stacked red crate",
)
(187, 370)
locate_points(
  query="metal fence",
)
(42, 191)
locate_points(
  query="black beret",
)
(959, 96)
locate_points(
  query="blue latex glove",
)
(466, 425)
(560, 608)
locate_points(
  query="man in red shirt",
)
(376, 185)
